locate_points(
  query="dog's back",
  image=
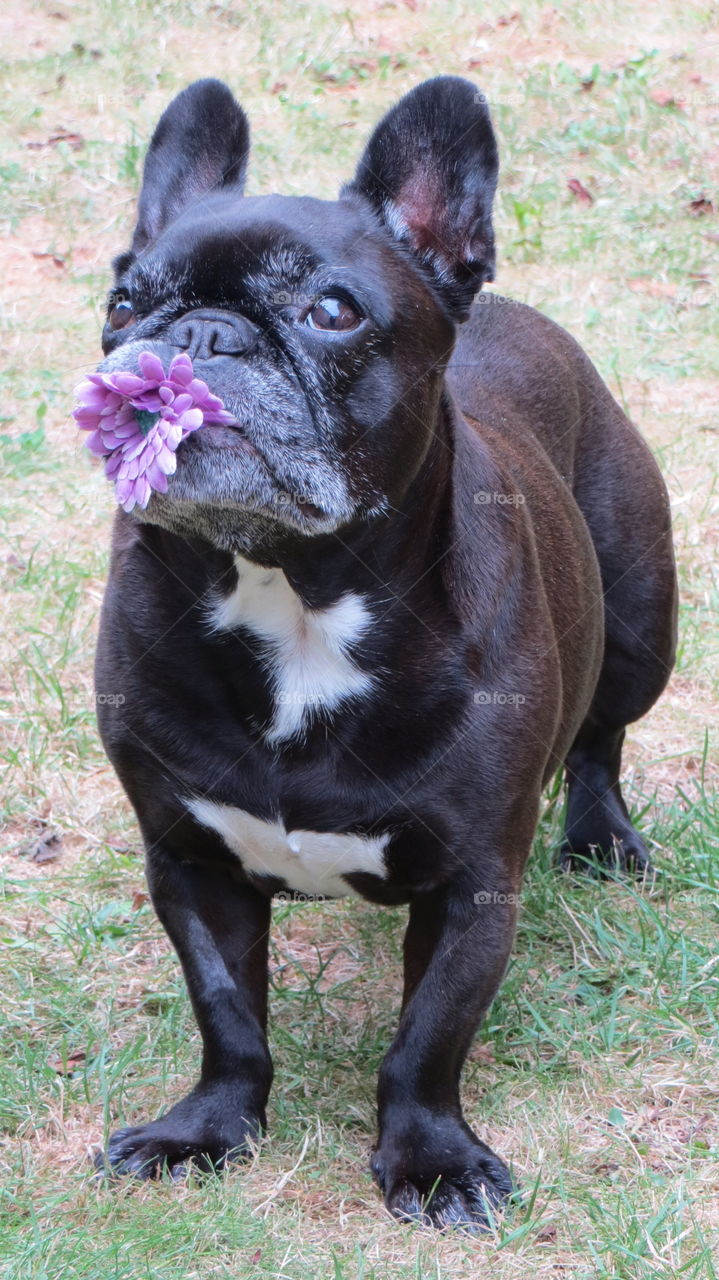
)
(516, 372)
(523, 382)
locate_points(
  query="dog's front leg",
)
(429, 1164)
(219, 929)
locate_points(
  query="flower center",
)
(145, 420)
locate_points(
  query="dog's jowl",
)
(427, 564)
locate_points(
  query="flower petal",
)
(199, 390)
(172, 434)
(180, 370)
(96, 444)
(142, 491)
(149, 400)
(126, 384)
(90, 396)
(87, 419)
(191, 419)
(219, 415)
(134, 447)
(151, 366)
(166, 460)
(156, 477)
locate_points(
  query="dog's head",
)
(325, 326)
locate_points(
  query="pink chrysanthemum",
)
(136, 422)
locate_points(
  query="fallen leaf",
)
(547, 1235)
(663, 98)
(580, 191)
(45, 847)
(139, 898)
(58, 261)
(66, 1066)
(256, 1255)
(701, 205)
(74, 140)
(654, 288)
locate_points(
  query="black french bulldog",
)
(362, 629)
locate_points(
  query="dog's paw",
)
(207, 1129)
(626, 855)
(440, 1175)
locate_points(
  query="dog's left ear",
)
(430, 170)
(201, 143)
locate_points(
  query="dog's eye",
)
(332, 313)
(121, 314)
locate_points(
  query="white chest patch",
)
(308, 861)
(306, 650)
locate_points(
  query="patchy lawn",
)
(598, 1070)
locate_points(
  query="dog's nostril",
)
(204, 334)
(230, 339)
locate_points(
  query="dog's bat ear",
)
(201, 143)
(430, 171)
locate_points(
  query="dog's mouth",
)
(283, 499)
(258, 455)
(233, 433)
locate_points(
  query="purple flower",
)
(136, 421)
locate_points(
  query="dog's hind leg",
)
(627, 511)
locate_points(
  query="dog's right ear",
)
(201, 144)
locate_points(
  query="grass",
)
(596, 1072)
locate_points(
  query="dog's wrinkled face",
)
(324, 326)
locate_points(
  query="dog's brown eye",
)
(121, 314)
(332, 313)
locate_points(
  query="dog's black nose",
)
(205, 333)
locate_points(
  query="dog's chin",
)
(225, 492)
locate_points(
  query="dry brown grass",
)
(635, 279)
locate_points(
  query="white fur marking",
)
(313, 862)
(306, 648)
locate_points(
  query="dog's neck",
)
(386, 554)
(310, 616)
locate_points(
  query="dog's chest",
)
(310, 862)
(307, 657)
(306, 652)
